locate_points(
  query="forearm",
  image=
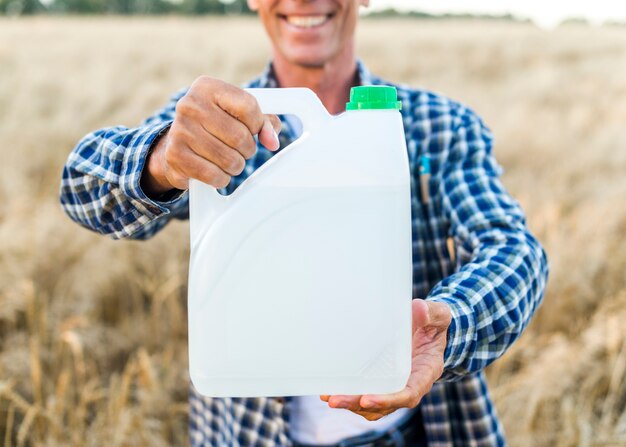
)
(101, 185)
(503, 267)
(492, 299)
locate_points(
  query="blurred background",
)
(93, 332)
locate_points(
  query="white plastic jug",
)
(300, 280)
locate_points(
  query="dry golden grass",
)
(93, 333)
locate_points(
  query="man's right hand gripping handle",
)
(210, 139)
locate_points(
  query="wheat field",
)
(93, 332)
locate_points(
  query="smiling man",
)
(478, 273)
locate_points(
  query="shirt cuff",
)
(132, 168)
(461, 332)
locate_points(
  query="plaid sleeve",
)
(503, 268)
(100, 186)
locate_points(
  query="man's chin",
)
(311, 64)
(309, 59)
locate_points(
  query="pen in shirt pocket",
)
(424, 174)
(424, 177)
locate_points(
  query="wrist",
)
(154, 182)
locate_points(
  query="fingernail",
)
(275, 136)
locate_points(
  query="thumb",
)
(268, 136)
(420, 313)
(430, 313)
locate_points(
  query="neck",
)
(331, 82)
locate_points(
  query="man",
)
(480, 291)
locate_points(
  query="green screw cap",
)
(373, 97)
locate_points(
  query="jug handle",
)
(301, 102)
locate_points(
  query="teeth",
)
(306, 21)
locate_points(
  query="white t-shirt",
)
(312, 421)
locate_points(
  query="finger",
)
(276, 123)
(420, 381)
(268, 136)
(325, 397)
(420, 313)
(225, 157)
(407, 398)
(439, 314)
(246, 109)
(241, 105)
(431, 317)
(207, 94)
(191, 165)
(373, 415)
(228, 130)
(345, 401)
(369, 415)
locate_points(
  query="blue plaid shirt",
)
(493, 283)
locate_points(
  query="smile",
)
(307, 21)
